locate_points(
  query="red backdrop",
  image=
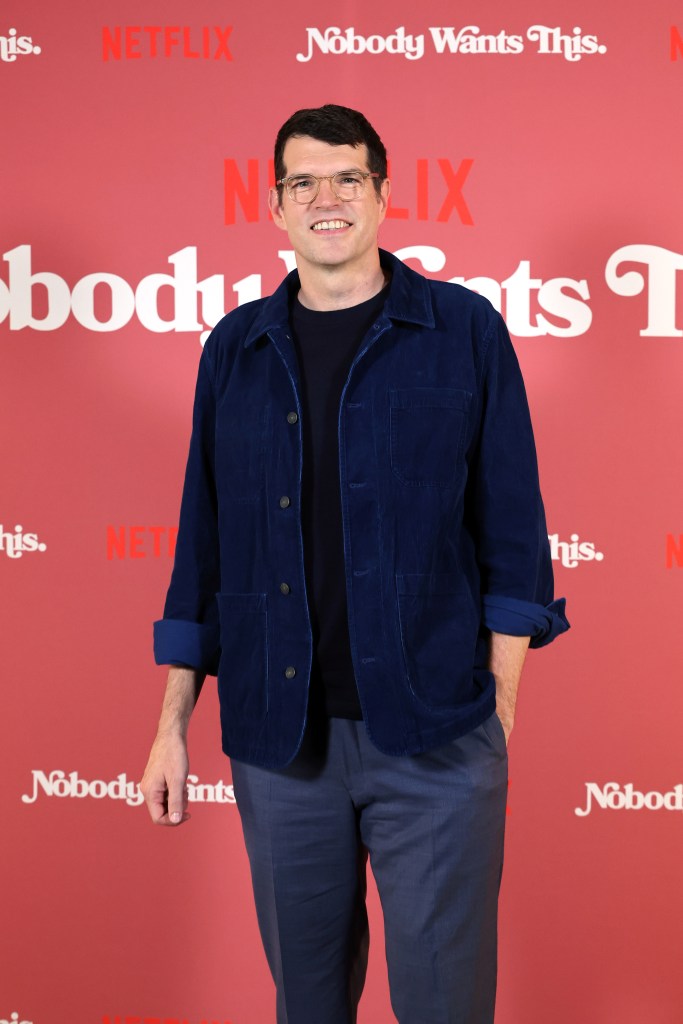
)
(537, 147)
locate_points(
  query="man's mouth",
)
(330, 225)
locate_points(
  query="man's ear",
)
(383, 199)
(275, 207)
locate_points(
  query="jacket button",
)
(290, 672)
(284, 501)
(285, 588)
(292, 417)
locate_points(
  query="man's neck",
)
(328, 288)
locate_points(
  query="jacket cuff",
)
(177, 641)
(524, 618)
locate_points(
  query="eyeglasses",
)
(346, 185)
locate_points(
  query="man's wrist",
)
(182, 690)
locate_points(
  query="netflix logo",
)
(431, 190)
(133, 42)
(141, 541)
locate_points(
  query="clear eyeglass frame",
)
(346, 185)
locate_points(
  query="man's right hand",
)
(164, 784)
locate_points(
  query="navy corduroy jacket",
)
(444, 529)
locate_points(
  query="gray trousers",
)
(433, 827)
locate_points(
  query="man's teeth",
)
(330, 225)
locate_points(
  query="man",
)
(363, 560)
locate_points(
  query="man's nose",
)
(326, 195)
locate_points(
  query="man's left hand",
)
(506, 658)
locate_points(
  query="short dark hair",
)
(337, 126)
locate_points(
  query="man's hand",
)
(506, 659)
(164, 784)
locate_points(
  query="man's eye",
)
(302, 183)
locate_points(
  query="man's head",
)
(331, 158)
(337, 126)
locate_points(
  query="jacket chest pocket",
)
(242, 443)
(426, 431)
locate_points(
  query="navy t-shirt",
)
(326, 342)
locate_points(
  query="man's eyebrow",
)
(310, 174)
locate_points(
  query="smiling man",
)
(363, 560)
(332, 218)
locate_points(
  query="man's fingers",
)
(156, 805)
(166, 803)
(164, 784)
(165, 812)
(165, 819)
(177, 801)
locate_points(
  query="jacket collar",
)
(408, 300)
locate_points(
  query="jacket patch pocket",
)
(439, 625)
(243, 669)
(426, 434)
(241, 447)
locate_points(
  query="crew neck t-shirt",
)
(326, 343)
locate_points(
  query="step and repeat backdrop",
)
(537, 157)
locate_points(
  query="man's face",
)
(330, 232)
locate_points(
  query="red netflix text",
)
(132, 42)
(141, 541)
(435, 193)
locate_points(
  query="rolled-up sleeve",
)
(189, 634)
(522, 618)
(508, 519)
